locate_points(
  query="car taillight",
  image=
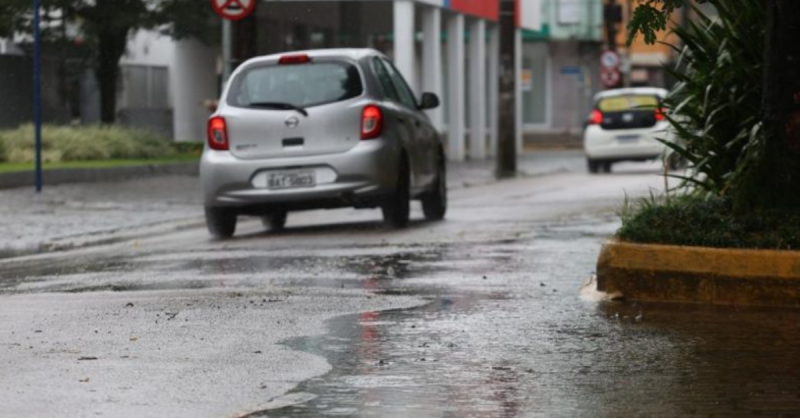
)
(295, 59)
(595, 118)
(371, 122)
(661, 114)
(218, 134)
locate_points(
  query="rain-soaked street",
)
(489, 313)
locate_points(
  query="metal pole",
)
(37, 92)
(227, 53)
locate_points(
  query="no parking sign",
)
(233, 9)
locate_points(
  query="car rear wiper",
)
(280, 105)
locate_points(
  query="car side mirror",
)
(429, 101)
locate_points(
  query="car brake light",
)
(661, 114)
(371, 122)
(595, 118)
(218, 134)
(295, 59)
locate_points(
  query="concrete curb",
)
(663, 273)
(76, 176)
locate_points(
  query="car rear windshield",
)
(627, 103)
(302, 85)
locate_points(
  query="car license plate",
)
(285, 180)
(628, 139)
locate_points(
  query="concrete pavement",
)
(337, 316)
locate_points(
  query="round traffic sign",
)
(609, 59)
(610, 77)
(233, 9)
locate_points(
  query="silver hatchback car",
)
(320, 129)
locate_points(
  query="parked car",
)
(624, 126)
(320, 129)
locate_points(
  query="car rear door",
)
(298, 108)
(402, 119)
(420, 126)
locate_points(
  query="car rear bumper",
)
(611, 145)
(354, 177)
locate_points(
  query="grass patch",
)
(101, 164)
(692, 220)
(88, 143)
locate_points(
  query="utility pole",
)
(507, 140)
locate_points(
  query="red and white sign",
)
(610, 77)
(233, 9)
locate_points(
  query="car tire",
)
(274, 221)
(396, 207)
(593, 165)
(434, 202)
(221, 221)
(607, 167)
(676, 163)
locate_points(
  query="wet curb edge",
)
(664, 273)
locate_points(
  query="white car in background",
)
(624, 126)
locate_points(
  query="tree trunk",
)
(111, 46)
(775, 183)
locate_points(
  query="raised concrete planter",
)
(661, 273)
(77, 176)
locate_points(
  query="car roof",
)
(661, 93)
(349, 53)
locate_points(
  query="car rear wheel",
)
(221, 221)
(593, 165)
(434, 202)
(397, 206)
(274, 221)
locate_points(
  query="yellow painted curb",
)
(663, 273)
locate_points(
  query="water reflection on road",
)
(522, 343)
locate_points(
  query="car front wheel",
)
(221, 221)
(274, 221)
(397, 206)
(434, 202)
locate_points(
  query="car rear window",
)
(303, 85)
(627, 103)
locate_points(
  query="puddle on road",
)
(391, 364)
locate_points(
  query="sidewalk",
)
(67, 216)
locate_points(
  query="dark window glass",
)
(385, 80)
(302, 85)
(400, 85)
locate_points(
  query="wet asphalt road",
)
(485, 314)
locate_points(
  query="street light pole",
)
(37, 92)
(507, 139)
(227, 51)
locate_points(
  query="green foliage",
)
(81, 143)
(182, 18)
(716, 101)
(652, 16)
(693, 220)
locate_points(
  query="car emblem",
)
(627, 117)
(292, 122)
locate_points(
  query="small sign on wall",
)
(569, 12)
(526, 80)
